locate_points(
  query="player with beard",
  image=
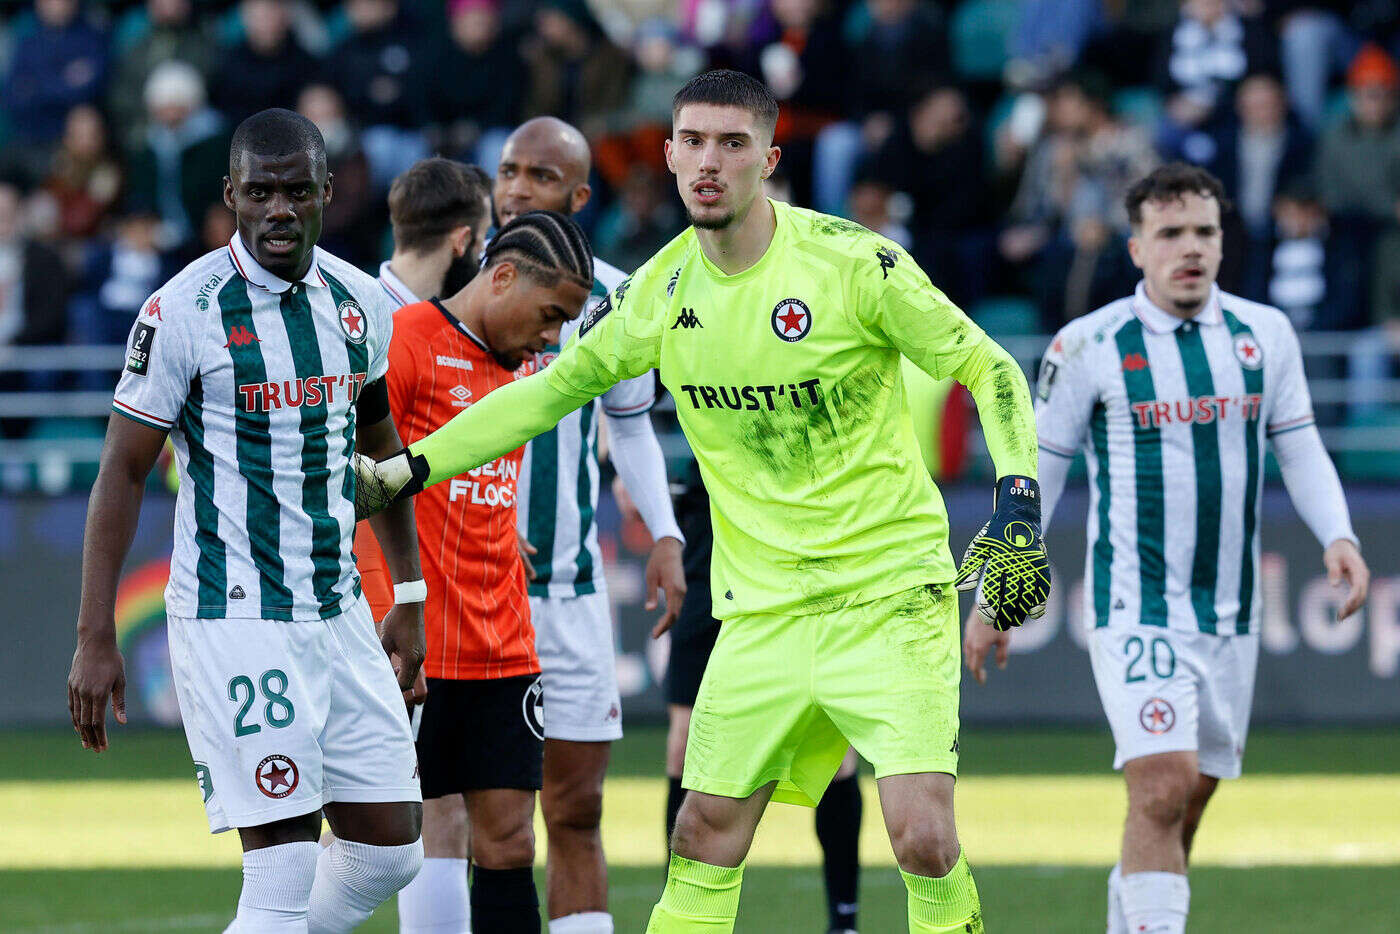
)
(544, 165)
(440, 210)
(780, 333)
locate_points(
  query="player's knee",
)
(576, 808)
(1161, 793)
(509, 847)
(926, 845)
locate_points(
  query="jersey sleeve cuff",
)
(144, 418)
(639, 409)
(1292, 424)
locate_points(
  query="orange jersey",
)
(477, 614)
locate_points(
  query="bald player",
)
(545, 165)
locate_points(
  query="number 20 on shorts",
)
(278, 711)
(1160, 657)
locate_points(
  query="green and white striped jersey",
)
(256, 378)
(1172, 416)
(559, 477)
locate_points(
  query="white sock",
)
(1117, 922)
(276, 888)
(1156, 902)
(585, 922)
(353, 879)
(436, 902)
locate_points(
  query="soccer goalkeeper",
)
(779, 332)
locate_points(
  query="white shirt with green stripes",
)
(1172, 416)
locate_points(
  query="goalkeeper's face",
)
(720, 156)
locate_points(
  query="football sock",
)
(353, 879)
(1156, 902)
(698, 898)
(504, 901)
(1117, 923)
(276, 887)
(436, 902)
(675, 794)
(947, 905)
(838, 830)
(585, 922)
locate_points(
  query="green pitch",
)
(1310, 837)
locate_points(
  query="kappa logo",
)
(532, 707)
(277, 776)
(1248, 352)
(461, 396)
(352, 321)
(240, 336)
(1134, 362)
(237, 593)
(887, 258)
(1157, 716)
(791, 319)
(153, 308)
(687, 319)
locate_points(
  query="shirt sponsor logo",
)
(807, 392)
(201, 298)
(352, 321)
(792, 319)
(458, 362)
(1197, 409)
(490, 484)
(138, 358)
(295, 393)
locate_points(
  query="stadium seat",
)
(1381, 461)
(978, 34)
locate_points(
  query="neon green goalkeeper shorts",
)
(783, 695)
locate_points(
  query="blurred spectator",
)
(904, 46)
(1298, 261)
(353, 222)
(169, 31)
(1313, 43)
(267, 68)
(576, 73)
(176, 173)
(85, 178)
(641, 221)
(934, 158)
(1050, 36)
(482, 102)
(382, 72)
(875, 207)
(118, 276)
(63, 63)
(1210, 50)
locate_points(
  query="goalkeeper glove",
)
(1006, 561)
(379, 483)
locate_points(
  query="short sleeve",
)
(1065, 394)
(633, 396)
(402, 376)
(618, 339)
(381, 333)
(1291, 405)
(897, 306)
(160, 364)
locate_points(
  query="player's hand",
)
(96, 678)
(1343, 561)
(401, 634)
(665, 571)
(379, 483)
(1006, 561)
(526, 550)
(978, 640)
(419, 692)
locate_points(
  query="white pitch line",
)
(179, 923)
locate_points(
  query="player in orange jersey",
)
(480, 731)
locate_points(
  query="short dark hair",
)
(543, 245)
(1169, 183)
(726, 88)
(277, 132)
(434, 197)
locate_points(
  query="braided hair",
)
(543, 245)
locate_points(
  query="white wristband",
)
(411, 591)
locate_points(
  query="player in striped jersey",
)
(1171, 393)
(545, 164)
(264, 363)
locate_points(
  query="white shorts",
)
(574, 639)
(1170, 691)
(284, 717)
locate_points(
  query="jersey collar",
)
(1162, 322)
(255, 275)
(459, 326)
(775, 248)
(392, 284)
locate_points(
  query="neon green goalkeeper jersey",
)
(787, 383)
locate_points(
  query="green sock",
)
(698, 897)
(944, 906)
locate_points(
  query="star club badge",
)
(277, 776)
(352, 321)
(792, 319)
(1248, 352)
(1157, 716)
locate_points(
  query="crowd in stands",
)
(993, 138)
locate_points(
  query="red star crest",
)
(792, 319)
(277, 776)
(352, 321)
(1248, 351)
(1157, 716)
